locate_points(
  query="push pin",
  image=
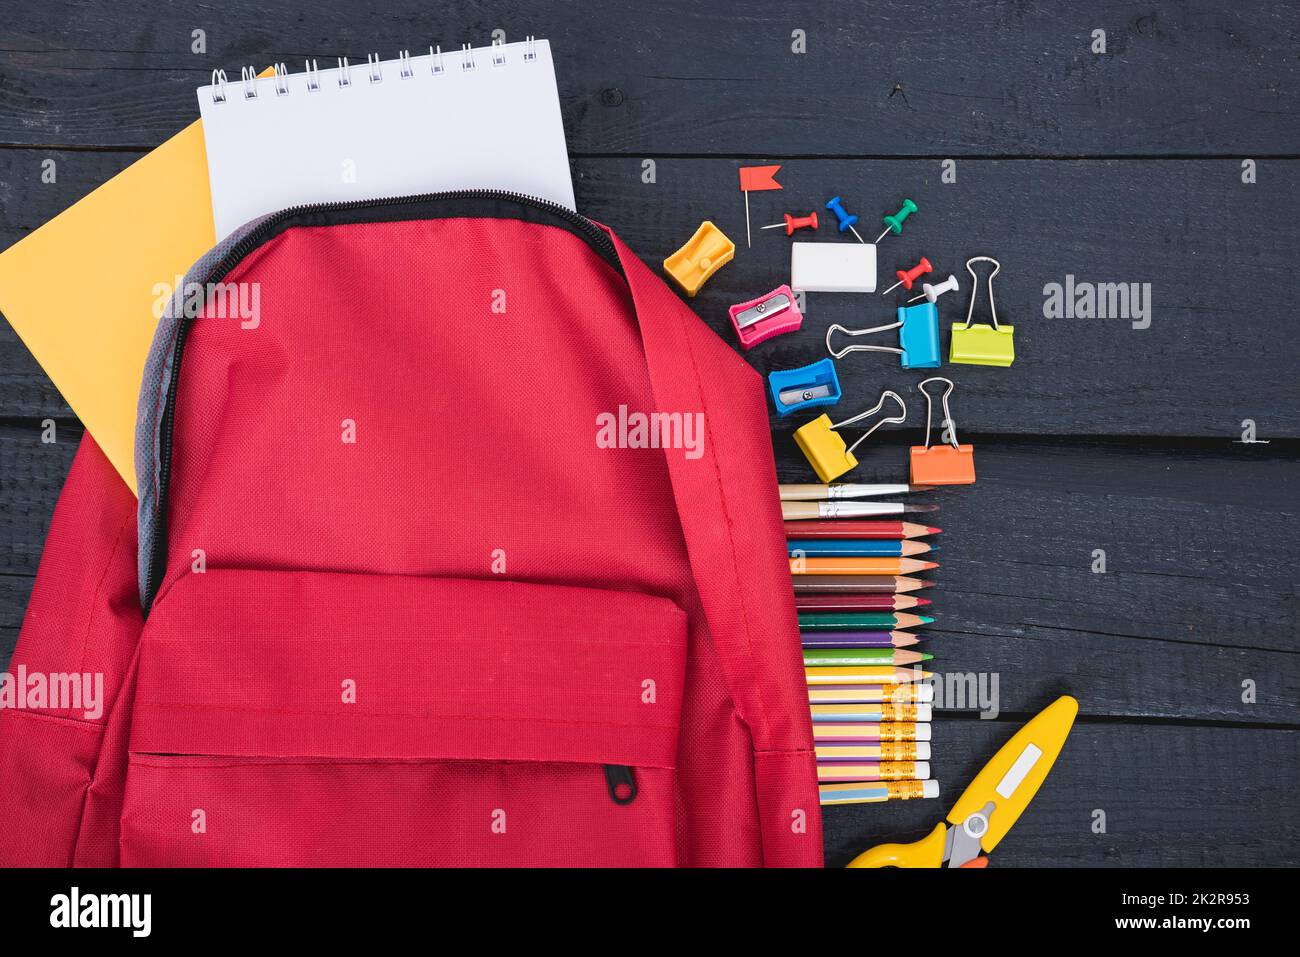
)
(894, 224)
(796, 222)
(908, 276)
(825, 448)
(836, 205)
(948, 464)
(932, 293)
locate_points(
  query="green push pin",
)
(894, 224)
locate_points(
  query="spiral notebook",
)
(486, 117)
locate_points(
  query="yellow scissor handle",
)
(927, 852)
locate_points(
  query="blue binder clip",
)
(918, 337)
(805, 387)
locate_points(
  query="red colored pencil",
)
(857, 528)
(857, 584)
(877, 602)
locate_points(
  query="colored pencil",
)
(857, 602)
(857, 547)
(880, 711)
(865, 675)
(859, 639)
(813, 493)
(866, 793)
(858, 584)
(829, 657)
(869, 694)
(874, 751)
(874, 771)
(872, 731)
(853, 620)
(859, 566)
(846, 528)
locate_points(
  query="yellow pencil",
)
(872, 731)
(865, 675)
(871, 792)
(900, 750)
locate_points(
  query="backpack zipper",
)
(595, 237)
(621, 783)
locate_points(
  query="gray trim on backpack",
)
(153, 392)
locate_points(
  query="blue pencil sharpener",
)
(805, 387)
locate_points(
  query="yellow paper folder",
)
(82, 290)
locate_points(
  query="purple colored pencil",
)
(858, 639)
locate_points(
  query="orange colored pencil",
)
(865, 675)
(859, 566)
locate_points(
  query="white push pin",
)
(931, 293)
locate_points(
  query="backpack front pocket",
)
(306, 718)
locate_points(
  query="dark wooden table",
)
(1123, 166)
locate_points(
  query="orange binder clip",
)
(703, 254)
(948, 464)
(825, 448)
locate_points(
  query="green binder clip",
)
(981, 345)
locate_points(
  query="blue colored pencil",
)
(856, 548)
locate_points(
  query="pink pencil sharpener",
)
(771, 315)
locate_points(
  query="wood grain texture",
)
(1220, 294)
(879, 77)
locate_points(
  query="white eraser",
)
(929, 789)
(925, 692)
(833, 267)
(923, 750)
(924, 712)
(920, 770)
(923, 732)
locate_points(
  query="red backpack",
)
(461, 548)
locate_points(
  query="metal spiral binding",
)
(374, 69)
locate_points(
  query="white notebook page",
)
(305, 137)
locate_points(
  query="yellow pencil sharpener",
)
(981, 345)
(825, 450)
(704, 254)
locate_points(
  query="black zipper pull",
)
(621, 782)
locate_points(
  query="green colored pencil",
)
(826, 657)
(883, 620)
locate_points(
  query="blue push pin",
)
(836, 206)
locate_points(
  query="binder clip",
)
(825, 448)
(918, 337)
(804, 388)
(981, 345)
(760, 319)
(949, 464)
(703, 254)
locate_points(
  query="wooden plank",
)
(878, 77)
(1219, 292)
(1173, 796)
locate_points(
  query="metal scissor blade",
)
(999, 794)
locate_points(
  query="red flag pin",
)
(754, 179)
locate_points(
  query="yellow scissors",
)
(993, 801)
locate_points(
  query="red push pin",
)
(909, 276)
(796, 222)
